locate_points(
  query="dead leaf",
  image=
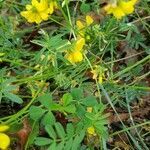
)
(24, 133)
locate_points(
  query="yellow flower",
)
(4, 139)
(81, 26)
(39, 11)
(121, 8)
(91, 131)
(76, 51)
(89, 109)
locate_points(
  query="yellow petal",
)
(51, 7)
(127, 7)
(89, 20)
(55, 4)
(91, 131)
(29, 7)
(118, 13)
(44, 15)
(77, 57)
(24, 13)
(134, 1)
(79, 44)
(38, 19)
(35, 3)
(43, 5)
(108, 8)
(4, 141)
(74, 57)
(79, 25)
(3, 128)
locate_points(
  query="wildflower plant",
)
(77, 72)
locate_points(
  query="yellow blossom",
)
(91, 131)
(38, 11)
(4, 139)
(75, 55)
(81, 26)
(120, 8)
(89, 109)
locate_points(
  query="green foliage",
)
(67, 105)
(7, 90)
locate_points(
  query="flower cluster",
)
(4, 139)
(39, 10)
(82, 26)
(120, 8)
(75, 54)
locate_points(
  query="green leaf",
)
(60, 146)
(60, 130)
(41, 141)
(67, 99)
(52, 146)
(68, 144)
(80, 111)
(70, 130)
(70, 109)
(34, 133)
(13, 98)
(36, 112)
(77, 140)
(85, 8)
(90, 101)
(48, 119)
(49, 129)
(90, 116)
(77, 93)
(1, 96)
(45, 100)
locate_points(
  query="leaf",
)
(70, 109)
(34, 133)
(77, 93)
(68, 144)
(41, 141)
(36, 112)
(90, 101)
(85, 8)
(60, 146)
(80, 111)
(90, 116)
(24, 133)
(60, 130)
(0, 97)
(13, 97)
(70, 130)
(45, 100)
(52, 146)
(67, 99)
(77, 140)
(49, 129)
(48, 119)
